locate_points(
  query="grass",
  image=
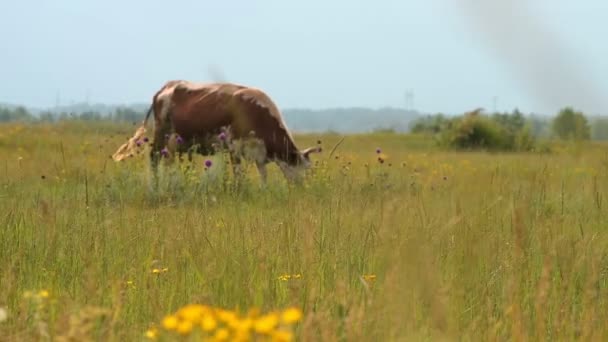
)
(429, 245)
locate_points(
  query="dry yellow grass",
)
(428, 245)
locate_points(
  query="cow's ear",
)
(308, 151)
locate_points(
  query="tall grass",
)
(463, 246)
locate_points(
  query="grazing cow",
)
(190, 116)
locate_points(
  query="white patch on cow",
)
(252, 149)
(260, 98)
(164, 97)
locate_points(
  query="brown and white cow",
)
(191, 116)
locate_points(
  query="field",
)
(428, 245)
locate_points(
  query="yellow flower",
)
(226, 316)
(156, 271)
(184, 327)
(208, 323)
(369, 277)
(282, 336)
(192, 313)
(291, 315)
(265, 324)
(253, 313)
(43, 294)
(297, 276)
(222, 334)
(152, 334)
(170, 322)
(244, 324)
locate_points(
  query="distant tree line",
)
(20, 113)
(500, 130)
(509, 131)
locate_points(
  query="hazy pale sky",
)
(455, 54)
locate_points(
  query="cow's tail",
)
(150, 110)
(135, 144)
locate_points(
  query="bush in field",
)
(497, 132)
(571, 124)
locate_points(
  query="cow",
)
(199, 117)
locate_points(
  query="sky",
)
(455, 55)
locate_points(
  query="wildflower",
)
(146, 139)
(151, 334)
(221, 334)
(282, 336)
(291, 315)
(208, 323)
(3, 315)
(170, 322)
(164, 152)
(43, 294)
(222, 136)
(138, 143)
(266, 324)
(192, 313)
(184, 327)
(179, 140)
(369, 277)
(226, 316)
(160, 270)
(208, 163)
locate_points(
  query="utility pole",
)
(57, 100)
(409, 99)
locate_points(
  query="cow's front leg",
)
(263, 172)
(237, 170)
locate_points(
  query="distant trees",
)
(23, 115)
(474, 130)
(571, 124)
(16, 114)
(599, 128)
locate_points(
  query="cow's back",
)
(201, 109)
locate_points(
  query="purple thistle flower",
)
(179, 140)
(378, 150)
(138, 143)
(164, 152)
(222, 136)
(146, 139)
(208, 163)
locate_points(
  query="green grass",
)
(465, 246)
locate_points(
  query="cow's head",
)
(295, 172)
(305, 155)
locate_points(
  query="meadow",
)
(427, 245)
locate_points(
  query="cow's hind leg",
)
(158, 148)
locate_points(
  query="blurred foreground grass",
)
(428, 245)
